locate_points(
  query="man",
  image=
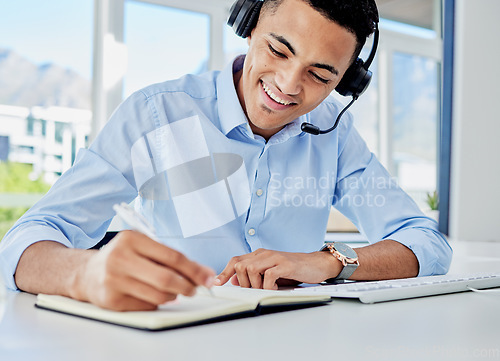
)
(226, 176)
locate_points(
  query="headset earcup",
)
(244, 16)
(252, 19)
(355, 80)
(234, 12)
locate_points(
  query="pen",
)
(138, 223)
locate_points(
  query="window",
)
(415, 115)
(410, 103)
(157, 40)
(154, 54)
(59, 133)
(365, 109)
(233, 44)
(398, 114)
(45, 69)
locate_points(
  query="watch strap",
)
(347, 271)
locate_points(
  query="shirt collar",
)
(231, 114)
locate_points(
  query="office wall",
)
(475, 167)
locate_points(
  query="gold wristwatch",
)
(344, 254)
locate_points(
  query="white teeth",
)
(274, 96)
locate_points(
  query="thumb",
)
(226, 274)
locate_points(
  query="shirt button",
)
(259, 192)
(251, 231)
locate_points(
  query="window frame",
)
(109, 38)
(392, 42)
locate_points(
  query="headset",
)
(243, 17)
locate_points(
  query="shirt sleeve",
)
(373, 201)
(77, 210)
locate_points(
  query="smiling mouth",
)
(274, 97)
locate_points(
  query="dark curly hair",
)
(360, 17)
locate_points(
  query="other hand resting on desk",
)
(268, 269)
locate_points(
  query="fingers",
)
(241, 274)
(134, 272)
(258, 273)
(271, 276)
(234, 281)
(162, 278)
(227, 272)
(254, 274)
(137, 295)
(259, 269)
(192, 271)
(248, 275)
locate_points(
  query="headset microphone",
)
(243, 18)
(314, 130)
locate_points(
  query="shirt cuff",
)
(11, 248)
(431, 249)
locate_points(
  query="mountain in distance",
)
(24, 83)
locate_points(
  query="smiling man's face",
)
(296, 57)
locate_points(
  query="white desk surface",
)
(463, 326)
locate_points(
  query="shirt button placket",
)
(257, 209)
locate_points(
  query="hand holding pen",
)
(135, 272)
(138, 223)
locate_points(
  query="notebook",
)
(225, 303)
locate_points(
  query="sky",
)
(49, 31)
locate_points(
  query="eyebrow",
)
(330, 68)
(285, 42)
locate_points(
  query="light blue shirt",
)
(212, 189)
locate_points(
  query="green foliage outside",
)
(433, 201)
(9, 216)
(15, 178)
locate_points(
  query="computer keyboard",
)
(390, 290)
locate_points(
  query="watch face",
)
(345, 250)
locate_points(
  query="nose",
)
(289, 79)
